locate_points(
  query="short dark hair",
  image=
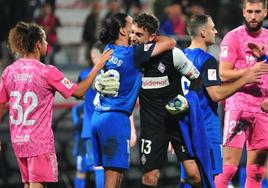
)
(195, 23)
(264, 2)
(111, 28)
(148, 22)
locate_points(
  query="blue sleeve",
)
(210, 74)
(142, 53)
(262, 58)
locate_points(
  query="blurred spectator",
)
(113, 8)
(128, 5)
(159, 6)
(195, 9)
(230, 16)
(49, 21)
(92, 25)
(174, 22)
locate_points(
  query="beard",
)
(253, 29)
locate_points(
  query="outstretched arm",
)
(85, 84)
(251, 75)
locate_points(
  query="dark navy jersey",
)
(124, 64)
(209, 75)
(88, 105)
(160, 84)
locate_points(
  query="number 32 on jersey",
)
(22, 114)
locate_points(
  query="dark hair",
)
(23, 37)
(195, 23)
(111, 28)
(148, 22)
(264, 2)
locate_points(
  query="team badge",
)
(67, 83)
(212, 74)
(147, 46)
(161, 67)
(224, 51)
(143, 159)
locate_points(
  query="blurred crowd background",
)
(72, 26)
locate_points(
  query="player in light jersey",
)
(110, 121)
(209, 88)
(248, 106)
(29, 87)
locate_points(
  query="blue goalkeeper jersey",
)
(209, 75)
(125, 64)
(88, 105)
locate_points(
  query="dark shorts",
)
(154, 140)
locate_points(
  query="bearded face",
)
(254, 14)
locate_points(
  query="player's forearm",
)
(227, 89)
(162, 44)
(83, 86)
(231, 75)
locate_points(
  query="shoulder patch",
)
(212, 74)
(224, 51)
(67, 83)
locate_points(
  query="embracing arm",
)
(162, 44)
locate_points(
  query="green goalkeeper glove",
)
(177, 105)
(107, 85)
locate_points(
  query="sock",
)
(79, 183)
(99, 177)
(255, 175)
(222, 180)
(242, 176)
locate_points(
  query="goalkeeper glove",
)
(177, 105)
(107, 85)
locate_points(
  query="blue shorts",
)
(216, 157)
(110, 139)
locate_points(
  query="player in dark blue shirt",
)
(110, 121)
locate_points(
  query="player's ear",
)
(203, 34)
(123, 31)
(152, 37)
(38, 45)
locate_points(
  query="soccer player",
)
(110, 121)
(161, 82)
(209, 88)
(29, 87)
(248, 106)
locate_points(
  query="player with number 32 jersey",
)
(30, 95)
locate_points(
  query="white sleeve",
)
(184, 65)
